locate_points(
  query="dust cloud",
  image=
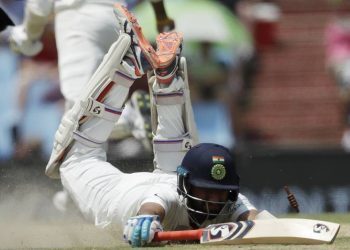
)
(29, 220)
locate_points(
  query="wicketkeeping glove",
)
(21, 43)
(140, 230)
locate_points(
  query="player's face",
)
(211, 195)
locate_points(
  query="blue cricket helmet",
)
(209, 165)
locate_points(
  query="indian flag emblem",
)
(218, 159)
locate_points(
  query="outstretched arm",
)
(164, 23)
(152, 208)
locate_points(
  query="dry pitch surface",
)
(82, 236)
(73, 233)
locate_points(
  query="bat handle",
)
(178, 235)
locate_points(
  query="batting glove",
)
(140, 230)
(21, 43)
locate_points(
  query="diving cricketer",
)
(193, 185)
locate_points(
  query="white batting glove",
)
(20, 42)
(140, 230)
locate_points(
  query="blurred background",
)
(268, 79)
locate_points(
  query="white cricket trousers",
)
(100, 190)
(84, 34)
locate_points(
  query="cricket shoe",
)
(141, 125)
(165, 59)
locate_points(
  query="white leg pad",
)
(189, 117)
(113, 77)
(168, 153)
(172, 121)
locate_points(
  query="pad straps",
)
(172, 98)
(173, 145)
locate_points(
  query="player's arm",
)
(25, 38)
(152, 208)
(164, 23)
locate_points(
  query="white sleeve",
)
(163, 196)
(176, 215)
(242, 205)
(37, 14)
(156, 199)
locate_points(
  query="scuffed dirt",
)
(29, 220)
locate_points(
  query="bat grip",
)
(178, 235)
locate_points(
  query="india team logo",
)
(218, 171)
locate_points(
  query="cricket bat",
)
(269, 231)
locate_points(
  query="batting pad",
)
(111, 70)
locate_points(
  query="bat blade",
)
(271, 231)
(268, 231)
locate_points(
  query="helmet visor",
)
(206, 204)
(212, 184)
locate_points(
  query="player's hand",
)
(140, 230)
(165, 25)
(20, 42)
